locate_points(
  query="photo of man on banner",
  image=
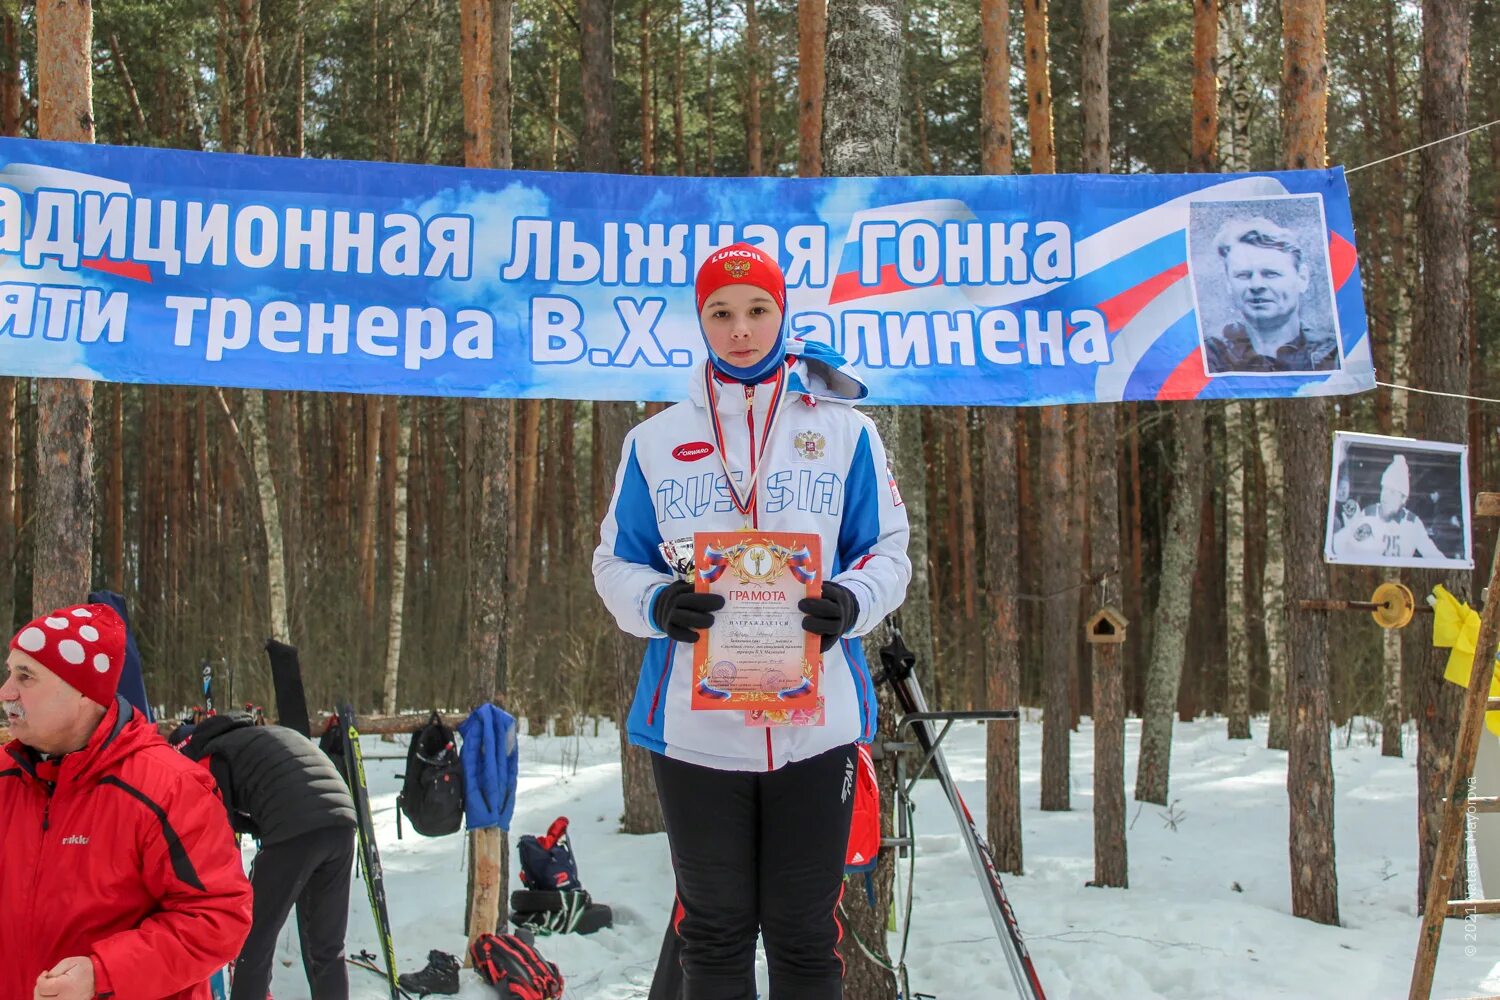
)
(1264, 297)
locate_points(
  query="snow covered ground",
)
(1208, 913)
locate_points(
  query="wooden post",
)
(1105, 632)
(487, 891)
(1450, 835)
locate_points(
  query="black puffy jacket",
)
(276, 783)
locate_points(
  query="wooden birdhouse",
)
(1106, 625)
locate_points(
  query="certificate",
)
(757, 655)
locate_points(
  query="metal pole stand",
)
(903, 748)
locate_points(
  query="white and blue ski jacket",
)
(823, 469)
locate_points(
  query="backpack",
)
(547, 861)
(515, 968)
(432, 790)
(332, 744)
(862, 853)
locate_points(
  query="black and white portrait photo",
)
(1398, 502)
(1262, 287)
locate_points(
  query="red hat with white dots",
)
(84, 645)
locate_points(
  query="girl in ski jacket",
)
(117, 853)
(757, 816)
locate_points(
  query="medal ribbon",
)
(744, 504)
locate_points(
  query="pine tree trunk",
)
(526, 497)
(753, 139)
(648, 151)
(9, 446)
(476, 50)
(612, 421)
(812, 34)
(1205, 85)
(250, 90)
(966, 539)
(1002, 638)
(1111, 866)
(679, 135)
(907, 451)
(596, 85)
(923, 152)
(1170, 622)
(708, 85)
(642, 812)
(1391, 406)
(396, 616)
(1440, 361)
(11, 90)
(270, 510)
(64, 519)
(1001, 633)
(25, 485)
(1394, 714)
(1079, 685)
(994, 89)
(1238, 665)
(1059, 610)
(114, 493)
(1135, 601)
(299, 113)
(503, 87)
(1303, 427)
(487, 434)
(862, 106)
(1038, 87)
(1273, 578)
(554, 100)
(1059, 605)
(290, 487)
(1110, 851)
(369, 508)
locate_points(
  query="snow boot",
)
(440, 976)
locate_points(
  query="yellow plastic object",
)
(1399, 605)
(1456, 625)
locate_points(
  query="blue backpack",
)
(547, 862)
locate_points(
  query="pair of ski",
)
(369, 852)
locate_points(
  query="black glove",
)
(677, 610)
(831, 615)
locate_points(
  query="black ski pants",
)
(312, 871)
(759, 852)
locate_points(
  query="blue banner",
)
(165, 266)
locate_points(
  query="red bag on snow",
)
(515, 968)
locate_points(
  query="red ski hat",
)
(741, 264)
(84, 645)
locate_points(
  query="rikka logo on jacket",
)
(77, 840)
(691, 451)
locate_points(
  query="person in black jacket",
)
(279, 788)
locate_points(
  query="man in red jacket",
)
(119, 877)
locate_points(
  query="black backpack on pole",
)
(432, 787)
